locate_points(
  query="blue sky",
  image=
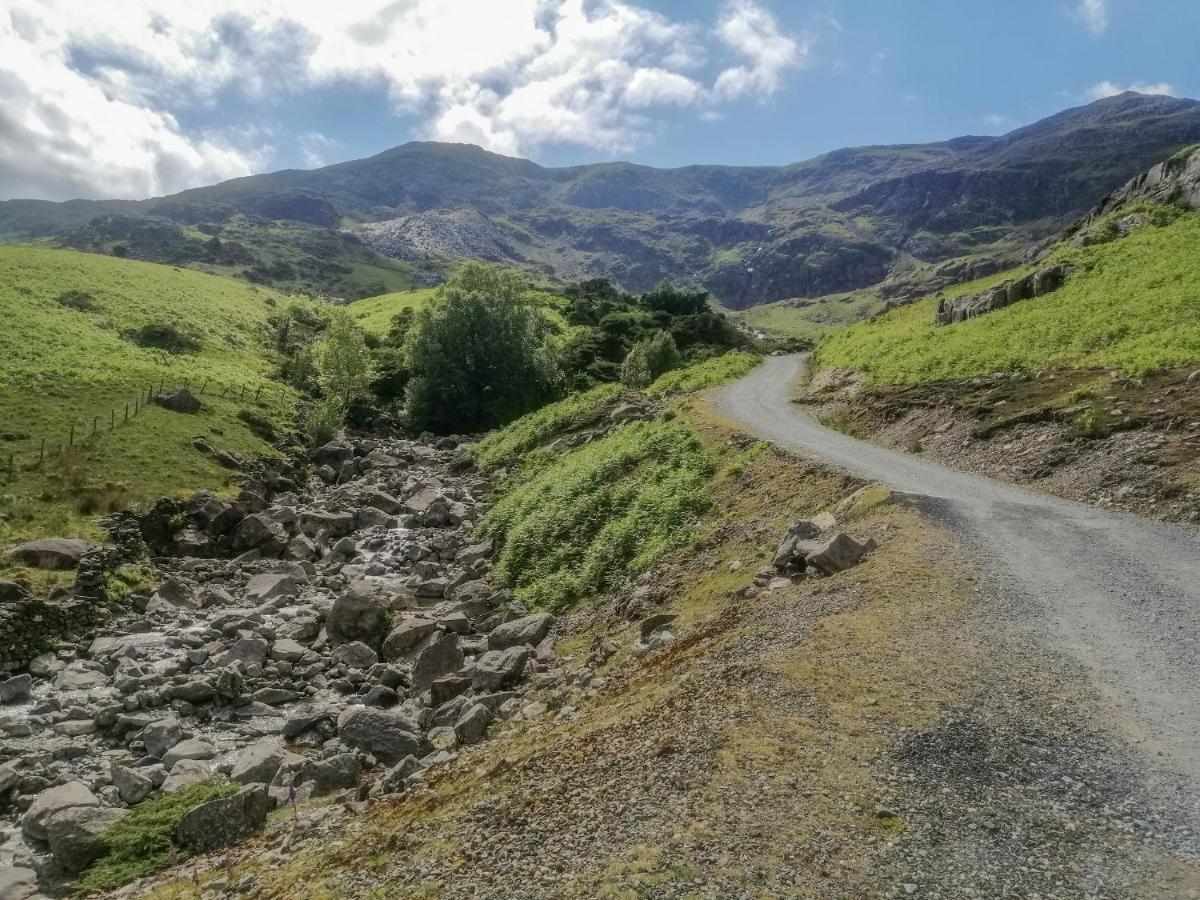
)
(152, 96)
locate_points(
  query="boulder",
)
(175, 592)
(519, 632)
(185, 773)
(287, 650)
(195, 748)
(18, 883)
(180, 401)
(76, 835)
(258, 763)
(499, 668)
(333, 454)
(16, 689)
(257, 531)
(132, 786)
(270, 586)
(220, 822)
(835, 554)
(49, 553)
(405, 636)
(439, 655)
(474, 722)
(387, 733)
(356, 617)
(334, 773)
(335, 524)
(54, 800)
(161, 736)
(355, 655)
(249, 651)
(380, 500)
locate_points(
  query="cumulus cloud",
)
(1103, 89)
(98, 96)
(1093, 14)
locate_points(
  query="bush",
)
(143, 841)
(324, 419)
(169, 338)
(344, 366)
(635, 371)
(80, 300)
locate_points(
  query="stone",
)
(273, 696)
(46, 664)
(194, 748)
(357, 617)
(474, 722)
(18, 883)
(654, 623)
(519, 632)
(474, 553)
(256, 532)
(76, 835)
(499, 668)
(132, 786)
(835, 554)
(1194, 378)
(380, 500)
(439, 655)
(334, 773)
(447, 688)
(195, 691)
(54, 800)
(389, 734)
(333, 454)
(180, 401)
(80, 676)
(405, 636)
(221, 822)
(16, 689)
(287, 650)
(380, 695)
(248, 651)
(50, 553)
(258, 763)
(184, 774)
(161, 736)
(355, 655)
(270, 586)
(393, 779)
(334, 524)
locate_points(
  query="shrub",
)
(143, 841)
(635, 371)
(324, 420)
(80, 300)
(169, 338)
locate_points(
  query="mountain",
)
(904, 218)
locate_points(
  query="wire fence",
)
(85, 434)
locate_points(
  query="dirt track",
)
(1118, 593)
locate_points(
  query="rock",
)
(185, 773)
(132, 786)
(16, 689)
(405, 636)
(836, 554)
(333, 454)
(439, 655)
(474, 722)
(54, 800)
(269, 586)
(255, 532)
(335, 524)
(356, 617)
(76, 835)
(80, 676)
(273, 696)
(194, 748)
(161, 736)
(287, 650)
(381, 500)
(1194, 378)
(180, 401)
(249, 651)
(17, 883)
(651, 624)
(468, 556)
(334, 773)
(393, 779)
(389, 734)
(519, 632)
(447, 688)
(258, 763)
(355, 655)
(46, 664)
(499, 668)
(220, 822)
(50, 553)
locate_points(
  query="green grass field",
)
(1132, 303)
(66, 358)
(815, 319)
(375, 314)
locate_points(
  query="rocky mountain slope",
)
(909, 216)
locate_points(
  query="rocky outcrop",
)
(49, 553)
(951, 310)
(220, 822)
(1176, 180)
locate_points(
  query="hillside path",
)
(1119, 594)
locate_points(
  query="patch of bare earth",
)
(1096, 436)
(876, 733)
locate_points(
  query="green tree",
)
(344, 362)
(635, 371)
(479, 353)
(649, 358)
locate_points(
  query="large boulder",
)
(18, 883)
(49, 553)
(54, 800)
(334, 773)
(519, 632)
(499, 668)
(333, 524)
(194, 748)
(162, 735)
(16, 689)
(76, 835)
(357, 617)
(184, 774)
(407, 634)
(180, 401)
(132, 786)
(258, 532)
(221, 822)
(270, 586)
(835, 554)
(389, 734)
(258, 763)
(440, 655)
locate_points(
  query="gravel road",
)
(1119, 594)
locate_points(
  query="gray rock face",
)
(355, 617)
(75, 835)
(49, 553)
(499, 668)
(180, 401)
(474, 722)
(835, 554)
(190, 749)
(958, 309)
(257, 531)
(185, 773)
(17, 883)
(439, 656)
(270, 586)
(258, 763)
(16, 689)
(161, 736)
(389, 734)
(54, 800)
(519, 632)
(333, 773)
(132, 786)
(355, 655)
(334, 524)
(405, 636)
(220, 822)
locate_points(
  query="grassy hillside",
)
(1132, 303)
(375, 314)
(70, 352)
(810, 320)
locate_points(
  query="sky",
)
(137, 98)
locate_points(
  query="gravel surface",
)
(1119, 594)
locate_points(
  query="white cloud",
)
(97, 97)
(1093, 14)
(753, 34)
(1103, 89)
(996, 120)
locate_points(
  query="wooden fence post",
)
(256, 393)
(10, 467)
(243, 397)
(126, 410)
(95, 424)
(72, 442)
(42, 453)
(162, 381)
(112, 420)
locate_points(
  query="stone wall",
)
(29, 625)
